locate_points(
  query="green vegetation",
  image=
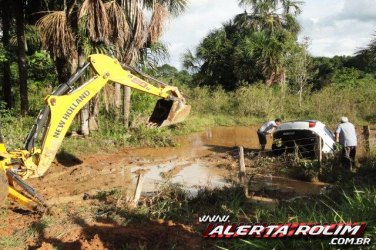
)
(214, 107)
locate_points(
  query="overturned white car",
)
(303, 137)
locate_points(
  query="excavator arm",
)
(64, 104)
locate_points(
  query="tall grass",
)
(261, 103)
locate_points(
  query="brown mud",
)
(202, 160)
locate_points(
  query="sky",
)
(334, 27)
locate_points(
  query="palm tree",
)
(369, 51)
(275, 21)
(191, 62)
(117, 27)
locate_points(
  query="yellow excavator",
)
(56, 117)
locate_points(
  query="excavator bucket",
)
(168, 112)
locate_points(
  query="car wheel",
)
(278, 149)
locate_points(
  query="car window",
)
(328, 131)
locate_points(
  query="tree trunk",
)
(300, 95)
(22, 67)
(85, 111)
(7, 84)
(94, 112)
(62, 69)
(117, 101)
(84, 116)
(126, 105)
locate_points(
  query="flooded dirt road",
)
(203, 160)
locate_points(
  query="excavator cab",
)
(168, 112)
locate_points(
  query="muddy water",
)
(185, 165)
(231, 136)
(190, 175)
(284, 184)
(217, 139)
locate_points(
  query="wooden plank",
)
(140, 182)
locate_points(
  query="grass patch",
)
(11, 242)
(37, 228)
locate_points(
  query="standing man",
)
(265, 129)
(346, 137)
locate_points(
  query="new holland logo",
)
(69, 113)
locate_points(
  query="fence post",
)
(366, 138)
(319, 149)
(242, 174)
(140, 182)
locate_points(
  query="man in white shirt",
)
(265, 129)
(346, 137)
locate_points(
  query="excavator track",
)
(3, 187)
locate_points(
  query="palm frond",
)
(131, 54)
(174, 7)
(153, 56)
(94, 13)
(191, 62)
(139, 34)
(157, 23)
(55, 35)
(292, 7)
(119, 28)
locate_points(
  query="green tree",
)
(365, 59)
(6, 26)
(277, 27)
(253, 46)
(299, 64)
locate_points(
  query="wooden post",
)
(241, 159)
(242, 174)
(319, 150)
(366, 138)
(140, 182)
